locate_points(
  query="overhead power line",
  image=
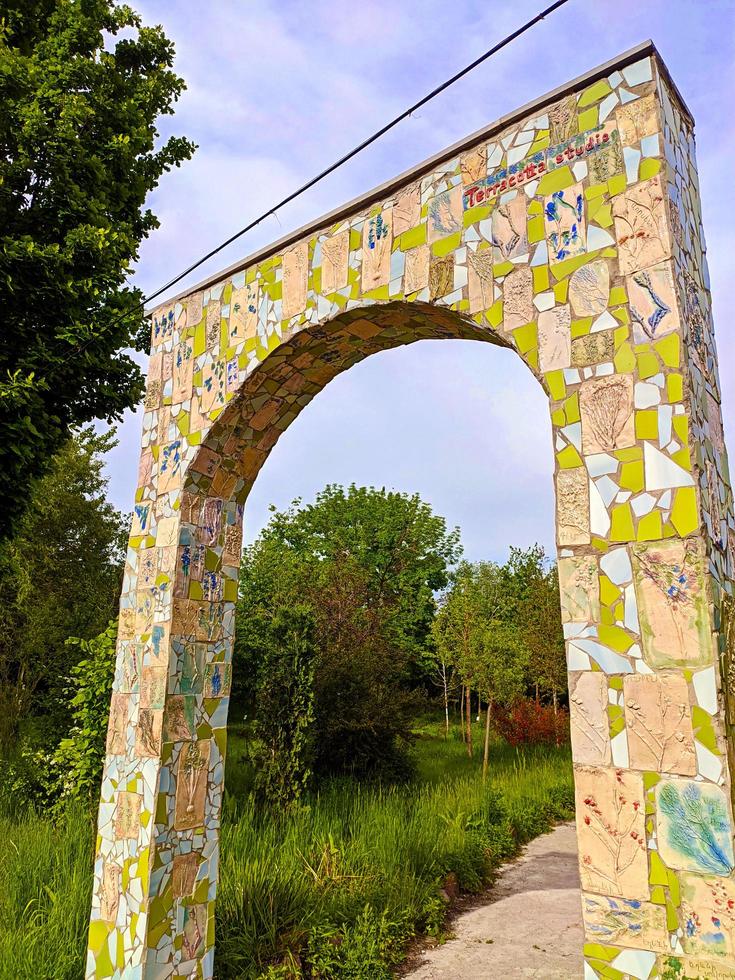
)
(361, 146)
(346, 157)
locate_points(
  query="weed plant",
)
(334, 890)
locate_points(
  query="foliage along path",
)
(531, 928)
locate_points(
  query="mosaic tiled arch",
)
(572, 233)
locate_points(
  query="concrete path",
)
(532, 926)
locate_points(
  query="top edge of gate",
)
(419, 170)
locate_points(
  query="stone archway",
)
(570, 232)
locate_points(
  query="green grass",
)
(335, 891)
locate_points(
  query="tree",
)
(543, 635)
(82, 83)
(284, 754)
(60, 576)
(367, 563)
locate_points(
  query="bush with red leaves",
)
(527, 722)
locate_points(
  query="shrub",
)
(528, 722)
(284, 754)
(80, 757)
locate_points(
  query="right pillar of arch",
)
(646, 542)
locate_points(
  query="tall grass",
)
(45, 895)
(337, 889)
(334, 891)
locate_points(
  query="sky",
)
(277, 91)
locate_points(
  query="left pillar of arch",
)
(156, 857)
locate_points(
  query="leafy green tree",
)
(284, 747)
(543, 636)
(82, 84)
(367, 563)
(60, 576)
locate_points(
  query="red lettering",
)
(480, 195)
(470, 196)
(512, 182)
(560, 158)
(605, 137)
(541, 167)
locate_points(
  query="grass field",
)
(335, 891)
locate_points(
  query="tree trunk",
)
(446, 701)
(461, 715)
(554, 695)
(536, 692)
(468, 718)
(486, 754)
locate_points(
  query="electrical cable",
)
(344, 159)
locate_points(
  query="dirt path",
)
(532, 926)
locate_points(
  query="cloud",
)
(277, 91)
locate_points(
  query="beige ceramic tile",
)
(244, 303)
(191, 784)
(480, 280)
(708, 915)
(335, 262)
(518, 308)
(377, 240)
(407, 210)
(295, 280)
(632, 924)
(611, 832)
(589, 724)
(183, 370)
(509, 228)
(416, 276)
(589, 289)
(640, 226)
(563, 120)
(672, 604)
(445, 214)
(184, 874)
(473, 165)
(441, 277)
(606, 407)
(110, 891)
(127, 815)
(572, 507)
(579, 585)
(148, 733)
(118, 723)
(637, 119)
(659, 723)
(555, 338)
